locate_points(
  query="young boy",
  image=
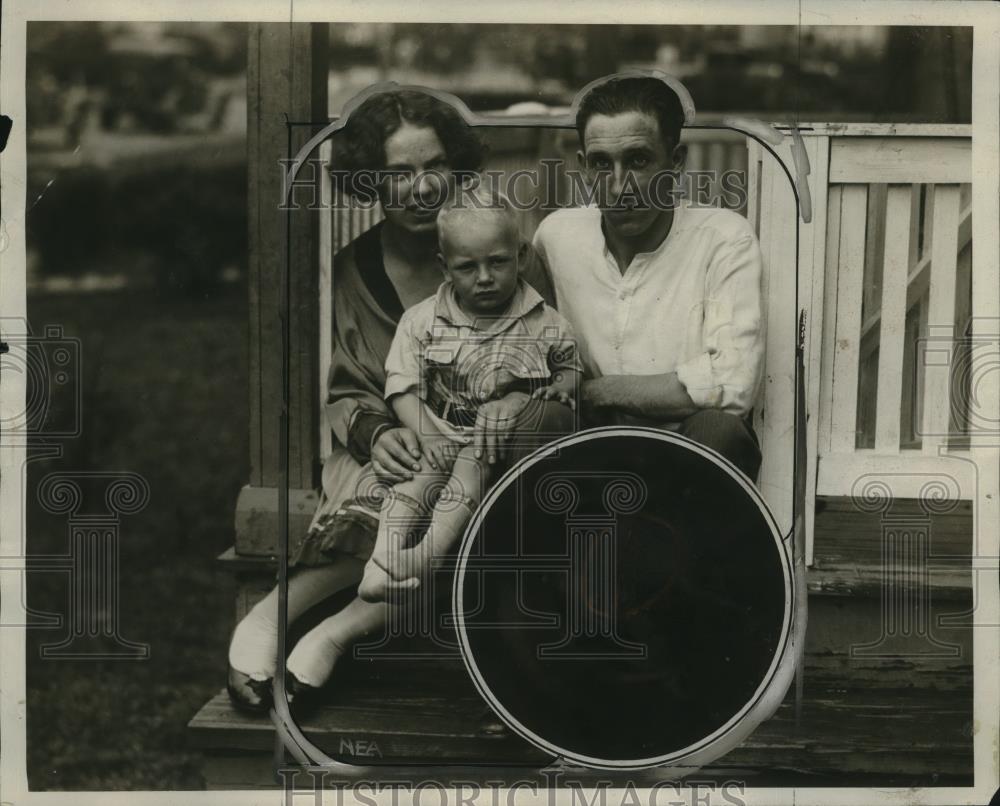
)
(485, 333)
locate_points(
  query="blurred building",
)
(814, 72)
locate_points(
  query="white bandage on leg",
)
(318, 651)
(254, 646)
(451, 515)
(253, 649)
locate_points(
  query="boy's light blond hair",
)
(470, 203)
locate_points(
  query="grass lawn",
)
(164, 396)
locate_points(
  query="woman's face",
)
(419, 178)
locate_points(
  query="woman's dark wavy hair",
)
(360, 145)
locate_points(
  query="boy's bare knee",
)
(472, 464)
(469, 473)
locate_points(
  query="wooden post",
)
(286, 81)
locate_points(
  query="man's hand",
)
(554, 393)
(396, 454)
(495, 423)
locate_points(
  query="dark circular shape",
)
(624, 599)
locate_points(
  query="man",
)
(664, 297)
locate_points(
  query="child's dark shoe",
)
(250, 694)
(303, 698)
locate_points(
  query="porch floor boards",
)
(431, 714)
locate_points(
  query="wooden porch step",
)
(848, 549)
(404, 727)
(906, 734)
(846, 533)
(887, 735)
(865, 579)
(392, 704)
(232, 561)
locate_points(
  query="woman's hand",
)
(441, 452)
(495, 423)
(395, 454)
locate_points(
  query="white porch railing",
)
(885, 275)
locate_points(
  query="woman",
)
(422, 147)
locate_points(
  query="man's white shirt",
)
(692, 306)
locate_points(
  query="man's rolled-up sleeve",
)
(727, 373)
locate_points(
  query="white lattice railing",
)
(885, 274)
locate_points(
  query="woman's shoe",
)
(303, 698)
(248, 693)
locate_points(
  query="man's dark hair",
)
(635, 94)
(360, 145)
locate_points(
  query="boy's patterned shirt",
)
(456, 363)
